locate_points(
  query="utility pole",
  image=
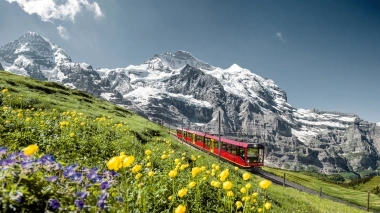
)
(219, 137)
(169, 128)
(182, 130)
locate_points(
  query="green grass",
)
(46, 105)
(368, 186)
(334, 190)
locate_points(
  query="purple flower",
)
(82, 195)
(54, 204)
(101, 204)
(52, 178)
(27, 164)
(13, 156)
(3, 151)
(79, 204)
(48, 158)
(7, 162)
(104, 185)
(16, 196)
(77, 177)
(103, 196)
(71, 167)
(68, 172)
(97, 179)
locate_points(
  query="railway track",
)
(280, 181)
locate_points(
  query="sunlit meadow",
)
(65, 151)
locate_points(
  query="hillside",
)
(78, 130)
(175, 86)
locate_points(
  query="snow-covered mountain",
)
(176, 86)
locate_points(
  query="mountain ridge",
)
(174, 86)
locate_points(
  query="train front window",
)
(254, 155)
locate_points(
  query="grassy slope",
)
(351, 195)
(368, 186)
(46, 96)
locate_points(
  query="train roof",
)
(226, 140)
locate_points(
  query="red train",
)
(246, 155)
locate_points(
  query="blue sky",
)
(324, 54)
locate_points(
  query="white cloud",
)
(279, 36)
(49, 10)
(63, 32)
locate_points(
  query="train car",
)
(246, 155)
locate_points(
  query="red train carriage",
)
(245, 155)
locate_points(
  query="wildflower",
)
(128, 161)
(148, 152)
(173, 173)
(114, 164)
(246, 176)
(16, 196)
(30, 150)
(238, 204)
(79, 204)
(7, 121)
(148, 164)
(230, 193)
(27, 119)
(170, 198)
(227, 185)
(255, 194)
(195, 171)
(72, 135)
(4, 90)
(182, 192)
(151, 173)
(224, 174)
(101, 204)
(3, 151)
(82, 195)
(192, 184)
(243, 190)
(138, 176)
(248, 185)
(5, 108)
(267, 205)
(136, 168)
(54, 203)
(163, 157)
(104, 185)
(259, 210)
(264, 184)
(216, 184)
(180, 209)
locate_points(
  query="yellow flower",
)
(148, 164)
(255, 194)
(238, 204)
(30, 150)
(5, 108)
(246, 176)
(268, 205)
(176, 160)
(195, 171)
(216, 184)
(122, 153)
(182, 192)
(259, 210)
(216, 168)
(27, 119)
(243, 190)
(173, 173)
(138, 176)
(136, 168)
(264, 184)
(230, 193)
(180, 209)
(170, 197)
(227, 185)
(128, 161)
(7, 121)
(224, 174)
(72, 135)
(151, 173)
(4, 90)
(148, 152)
(192, 184)
(19, 115)
(163, 157)
(248, 185)
(114, 164)
(236, 168)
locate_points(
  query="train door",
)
(212, 146)
(193, 138)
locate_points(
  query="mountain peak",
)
(235, 67)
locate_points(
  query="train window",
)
(240, 152)
(253, 155)
(233, 149)
(224, 146)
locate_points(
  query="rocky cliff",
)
(172, 87)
